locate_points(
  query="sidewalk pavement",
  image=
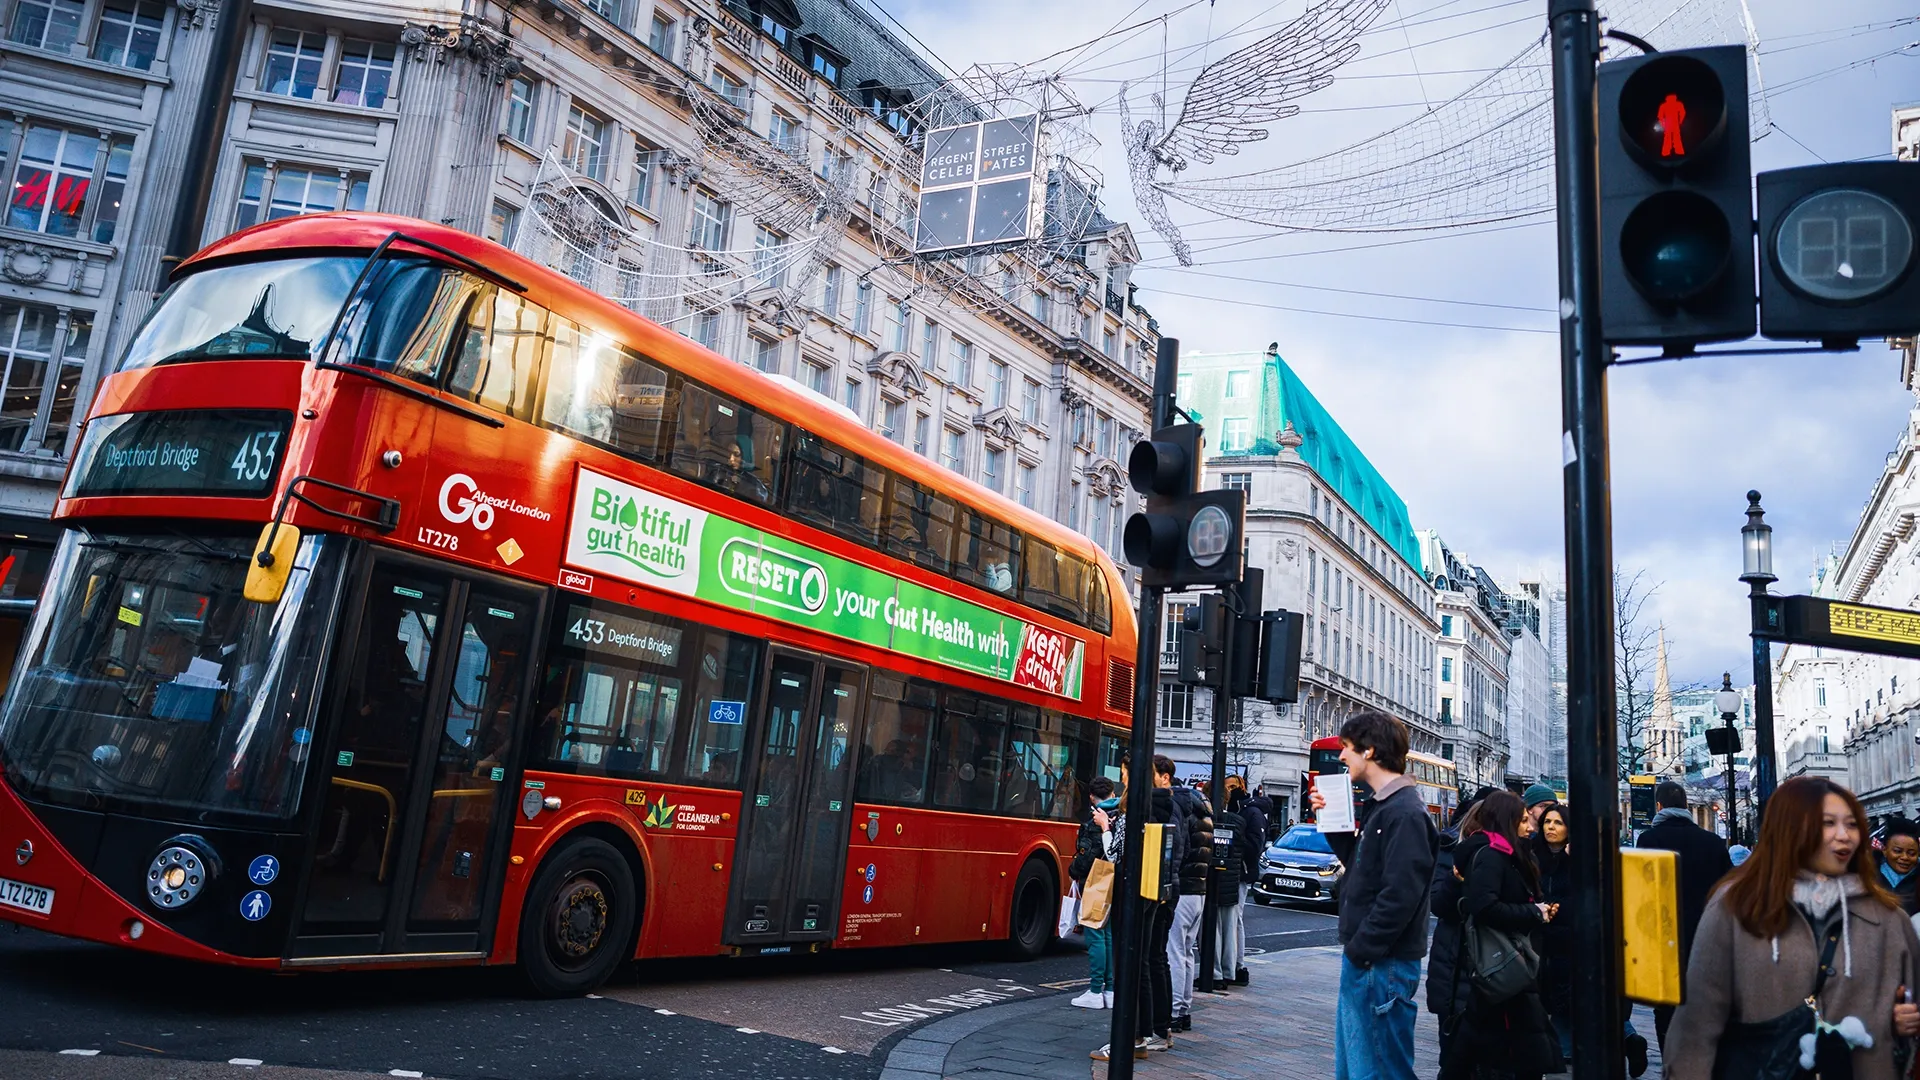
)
(1280, 1028)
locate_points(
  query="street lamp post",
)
(1756, 541)
(1728, 702)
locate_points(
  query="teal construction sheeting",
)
(1327, 449)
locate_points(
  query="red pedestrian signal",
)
(1671, 115)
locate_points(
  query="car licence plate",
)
(1289, 883)
(35, 898)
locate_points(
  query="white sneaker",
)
(1090, 1000)
(1159, 1043)
(1109, 996)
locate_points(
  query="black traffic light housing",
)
(1838, 251)
(1676, 204)
(1202, 642)
(1243, 633)
(1185, 537)
(1280, 655)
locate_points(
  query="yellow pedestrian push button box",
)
(1650, 924)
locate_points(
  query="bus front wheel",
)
(578, 919)
(1031, 918)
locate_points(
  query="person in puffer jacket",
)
(1182, 947)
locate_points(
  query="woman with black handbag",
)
(1504, 1031)
(1803, 940)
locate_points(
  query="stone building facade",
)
(744, 172)
(1472, 661)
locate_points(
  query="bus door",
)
(411, 834)
(790, 864)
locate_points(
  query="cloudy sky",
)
(1464, 420)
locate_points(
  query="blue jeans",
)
(1099, 973)
(1373, 1026)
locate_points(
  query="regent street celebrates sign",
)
(640, 536)
(980, 184)
(1833, 624)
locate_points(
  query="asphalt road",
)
(88, 1012)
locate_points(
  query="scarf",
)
(1817, 896)
(1892, 879)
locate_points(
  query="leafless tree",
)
(1635, 645)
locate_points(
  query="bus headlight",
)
(176, 876)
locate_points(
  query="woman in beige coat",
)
(1756, 954)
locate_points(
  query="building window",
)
(289, 191)
(863, 308)
(704, 327)
(582, 147)
(766, 354)
(784, 133)
(1446, 669)
(769, 257)
(1106, 341)
(1023, 477)
(1102, 514)
(293, 63)
(1236, 481)
(930, 344)
(113, 190)
(631, 285)
(962, 363)
(775, 30)
(825, 66)
(710, 216)
(129, 33)
(364, 75)
(1104, 447)
(830, 291)
(660, 35)
(819, 378)
(1237, 384)
(27, 333)
(1029, 401)
(995, 464)
(647, 163)
(520, 91)
(1446, 626)
(1042, 306)
(1236, 433)
(852, 398)
(731, 89)
(1176, 706)
(902, 317)
(953, 449)
(922, 425)
(47, 24)
(607, 9)
(1446, 712)
(890, 419)
(503, 224)
(51, 185)
(997, 376)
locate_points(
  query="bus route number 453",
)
(253, 461)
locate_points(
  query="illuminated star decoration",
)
(1232, 99)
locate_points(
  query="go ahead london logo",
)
(634, 534)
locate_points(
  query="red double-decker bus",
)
(415, 605)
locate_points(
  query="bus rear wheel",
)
(1031, 916)
(578, 919)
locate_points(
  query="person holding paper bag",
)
(1389, 855)
(1095, 896)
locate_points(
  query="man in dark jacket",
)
(1196, 831)
(1703, 862)
(1383, 902)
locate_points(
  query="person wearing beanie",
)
(1537, 798)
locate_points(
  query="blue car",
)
(1299, 866)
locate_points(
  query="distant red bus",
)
(573, 642)
(1434, 776)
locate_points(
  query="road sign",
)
(1833, 624)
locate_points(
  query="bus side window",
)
(1053, 580)
(726, 445)
(834, 489)
(503, 374)
(988, 554)
(1041, 780)
(893, 765)
(419, 306)
(968, 752)
(1099, 605)
(919, 524)
(1112, 752)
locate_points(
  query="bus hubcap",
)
(580, 918)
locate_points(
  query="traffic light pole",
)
(1592, 753)
(1129, 936)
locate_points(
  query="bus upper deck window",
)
(416, 308)
(501, 374)
(726, 445)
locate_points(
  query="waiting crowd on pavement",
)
(1799, 957)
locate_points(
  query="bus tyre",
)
(1031, 916)
(578, 919)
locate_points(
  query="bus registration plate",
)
(35, 898)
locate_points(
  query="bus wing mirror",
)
(272, 563)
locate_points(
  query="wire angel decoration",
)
(1233, 98)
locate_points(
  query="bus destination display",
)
(607, 632)
(233, 452)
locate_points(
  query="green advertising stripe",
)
(768, 575)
